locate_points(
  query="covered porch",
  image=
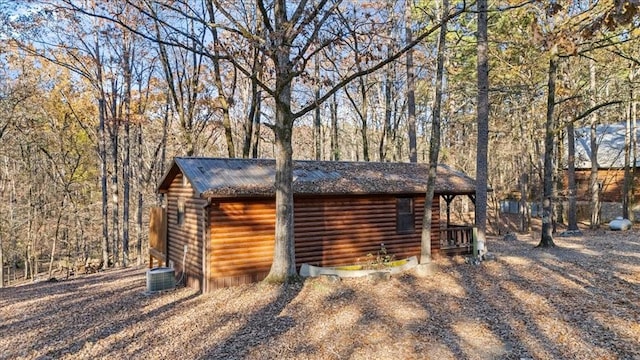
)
(456, 239)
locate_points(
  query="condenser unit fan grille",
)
(159, 279)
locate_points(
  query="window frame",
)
(180, 211)
(405, 215)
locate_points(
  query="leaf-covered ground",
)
(578, 301)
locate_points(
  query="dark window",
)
(180, 215)
(405, 219)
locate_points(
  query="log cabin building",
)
(610, 139)
(218, 222)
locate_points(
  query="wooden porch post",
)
(448, 199)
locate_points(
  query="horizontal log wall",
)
(242, 238)
(612, 184)
(338, 231)
(188, 233)
(328, 231)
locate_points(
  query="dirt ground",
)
(580, 300)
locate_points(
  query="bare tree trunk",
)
(571, 178)
(546, 239)
(434, 146)
(411, 89)
(594, 185)
(283, 268)
(102, 152)
(255, 143)
(224, 102)
(483, 128)
(629, 156)
(386, 141)
(364, 114)
(115, 191)
(626, 185)
(524, 202)
(126, 166)
(634, 145)
(1, 263)
(335, 147)
(317, 125)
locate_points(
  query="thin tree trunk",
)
(434, 146)
(126, 166)
(626, 185)
(571, 178)
(546, 238)
(335, 147)
(483, 128)
(594, 185)
(140, 187)
(55, 238)
(386, 141)
(524, 203)
(115, 193)
(317, 124)
(222, 97)
(255, 144)
(634, 144)
(630, 156)
(411, 89)
(364, 113)
(1, 263)
(102, 151)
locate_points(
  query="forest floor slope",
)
(579, 300)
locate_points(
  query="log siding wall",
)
(328, 231)
(612, 181)
(189, 233)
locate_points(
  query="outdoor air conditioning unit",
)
(159, 279)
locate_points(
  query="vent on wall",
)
(159, 279)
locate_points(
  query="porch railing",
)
(456, 237)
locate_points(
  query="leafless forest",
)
(97, 97)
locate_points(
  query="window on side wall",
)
(180, 215)
(405, 219)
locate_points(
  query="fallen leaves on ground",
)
(578, 300)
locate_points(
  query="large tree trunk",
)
(546, 238)
(483, 128)
(571, 178)
(434, 146)
(594, 185)
(283, 268)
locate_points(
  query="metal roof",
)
(610, 140)
(220, 177)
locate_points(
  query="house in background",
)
(220, 215)
(611, 161)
